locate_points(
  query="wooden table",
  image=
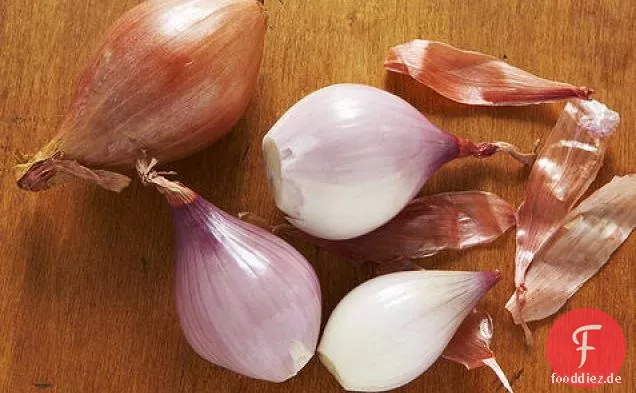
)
(86, 276)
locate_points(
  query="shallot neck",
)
(487, 149)
(176, 193)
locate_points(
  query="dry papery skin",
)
(426, 226)
(584, 242)
(566, 166)
(475, 78)
(470, 345)
(169, 78)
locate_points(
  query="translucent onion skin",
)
(246, 300)
(583, 244)
(426, 226)
(347, 158)
(568, 163)
(470, 346)
(474, 78)
(171, 77)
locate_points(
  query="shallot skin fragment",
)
(426, 226)
(568, 163)
(470, 345)
(475, 78)
(584, 243)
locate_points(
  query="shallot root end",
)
(41, 175)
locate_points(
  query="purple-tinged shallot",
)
(347, 158)
(247, 301)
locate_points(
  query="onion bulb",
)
(348, 158)
(171, 77)
(246, 300)
(391, 329)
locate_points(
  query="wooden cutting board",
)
(86, 276)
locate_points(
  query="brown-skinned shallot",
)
(171, 77)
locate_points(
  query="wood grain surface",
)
(86, 276)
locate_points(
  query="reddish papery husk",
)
(566, 166)
(246, 300)
(475, 78)
(470, 345)
(171, 77)
(584, 242)
(426, 226)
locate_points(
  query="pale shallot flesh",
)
(475, 78)
(246, 300)
(346, 159)
(170, 77)
(564, 169)
(426, 226)
(583, 243)
(470, 346)
(389, 330)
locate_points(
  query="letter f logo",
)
(584, 347)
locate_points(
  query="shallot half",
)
(348, 158)
(247, 301)
(389, 330)
(171, 77)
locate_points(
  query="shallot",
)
(247, 301)
(389, 330)
(348, 158)
(170, 77)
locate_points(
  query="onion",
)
(247, 301)
(391, 329)
(346, 159)
(171, 77)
